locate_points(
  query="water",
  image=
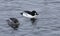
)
(47, 23)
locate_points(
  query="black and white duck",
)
(30, 14)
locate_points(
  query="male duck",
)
(29, 14)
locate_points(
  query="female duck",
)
(13, 22)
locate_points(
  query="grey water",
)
(47, 23)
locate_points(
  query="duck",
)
(30, 14)
(13, 23)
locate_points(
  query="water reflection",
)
(33, 20)
(34, 23)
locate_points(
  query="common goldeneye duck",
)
(30, 14)
(13, 22)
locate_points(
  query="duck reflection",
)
(33, 21)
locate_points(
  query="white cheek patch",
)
(35, 13)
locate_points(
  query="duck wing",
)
(14, 20)
(29, 12)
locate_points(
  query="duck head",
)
(34, 12)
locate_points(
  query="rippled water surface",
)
(47, 23)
